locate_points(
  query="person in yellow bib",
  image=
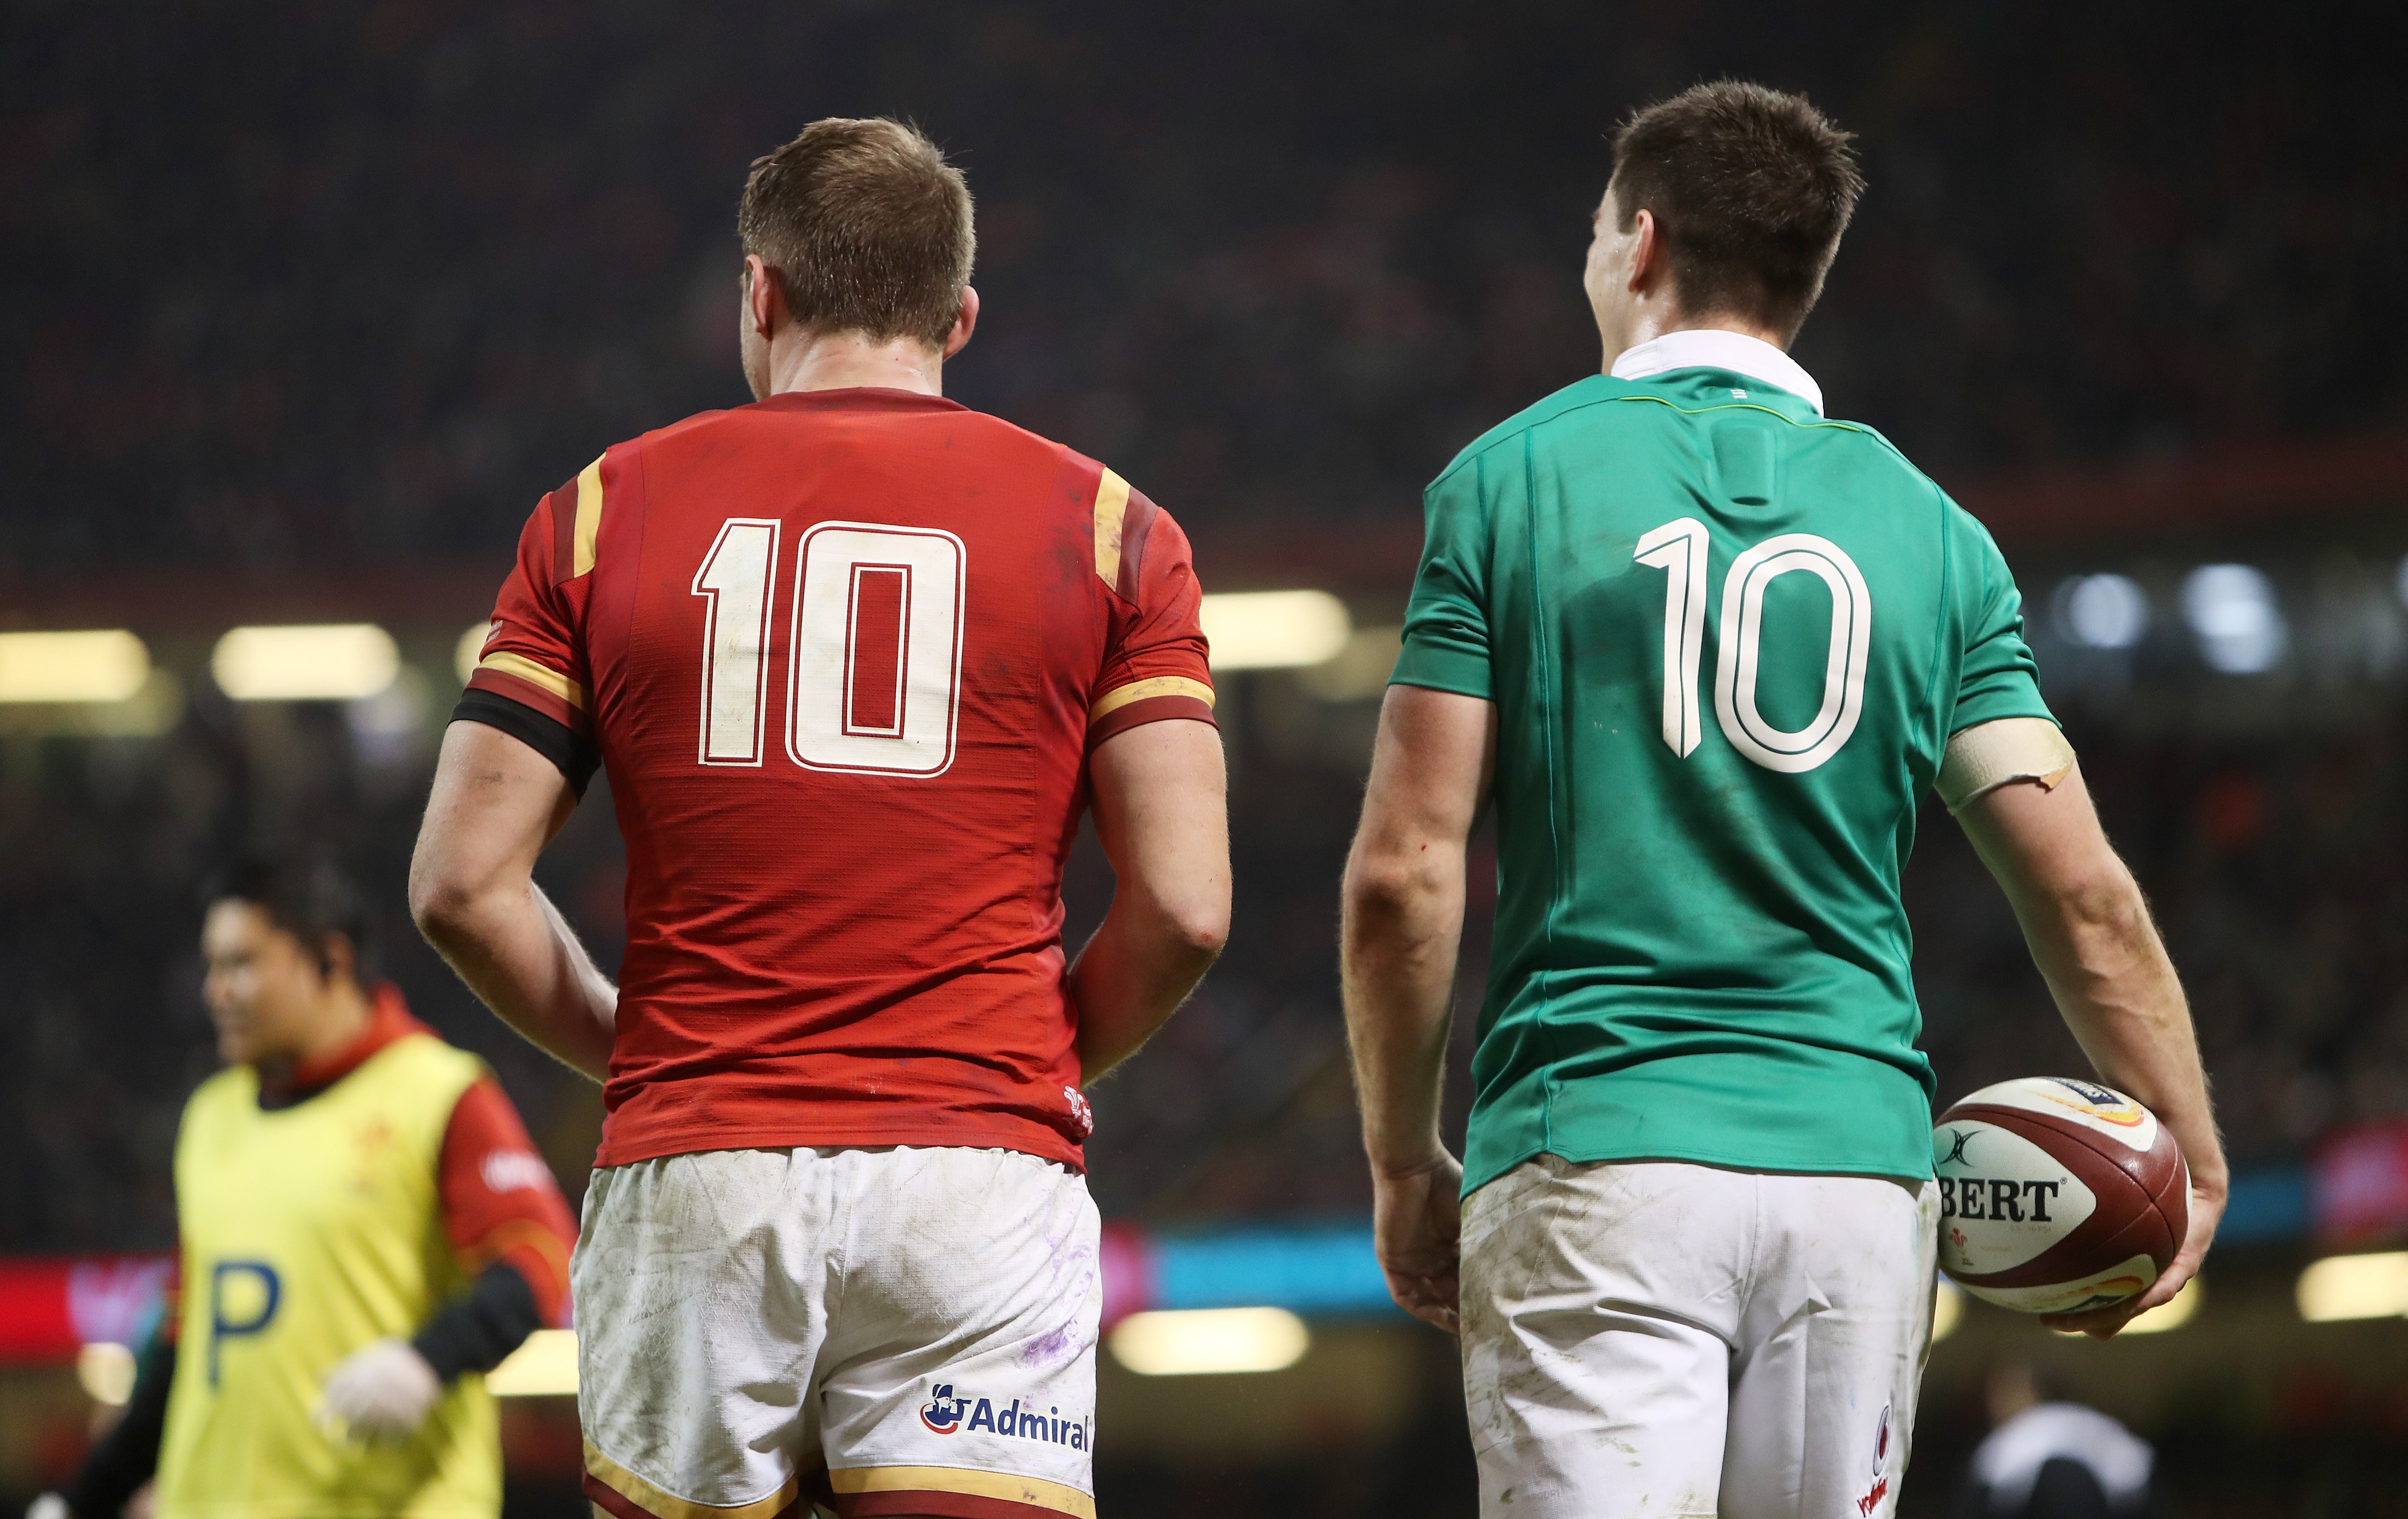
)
(366, 1230)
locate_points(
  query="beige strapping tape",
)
(1982, 759)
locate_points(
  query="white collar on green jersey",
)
(1712, 347)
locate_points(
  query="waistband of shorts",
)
(852, 1493)
(1023, 1138)
(830, 1151)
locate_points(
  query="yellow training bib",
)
(309, 1233)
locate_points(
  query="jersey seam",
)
(1475, 454)
(1751, 406)
(1135, 605)
(580, 624)
(1546, 694)
(1930, 699)
(1107, 655)
(1947, 599)
(1479, 450)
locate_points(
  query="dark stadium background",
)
(304, 304)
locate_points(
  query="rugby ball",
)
(2057, 1194)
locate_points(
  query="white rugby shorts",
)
(879, 1331)
(1645, 1339)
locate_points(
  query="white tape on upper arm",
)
(1982, 759)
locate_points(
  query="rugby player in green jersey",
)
(1705, 651)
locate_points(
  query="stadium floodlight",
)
(2171, 1315)
(544, 1366)
(470, 648)
(1359, 671)
(1181, 1342)
(99, 666)
(1947, 1311)
(1267, 630)
(2232, 609)
(314, 662)
(2102, 611)
(2355, 1287)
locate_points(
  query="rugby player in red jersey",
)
(855, 658)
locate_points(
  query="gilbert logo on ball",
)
(2057, 1194)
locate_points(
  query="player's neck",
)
(841, 361)
(341, 1021)
(1647, 324)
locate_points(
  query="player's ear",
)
(964, 322)
(1650, 261)
(339, 959)
(765, 299)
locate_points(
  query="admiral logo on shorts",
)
(944, 1414)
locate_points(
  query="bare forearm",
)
(2090, 935)
(1400, 934)
(522, 960)
(1162, 816)
(2108, 970)
(1131, 977)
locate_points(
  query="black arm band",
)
(577, 756)
(476, 1331)
(128, 1455)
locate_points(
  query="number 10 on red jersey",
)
(874, 650)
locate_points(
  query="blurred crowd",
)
(321, 284)
(301, 288)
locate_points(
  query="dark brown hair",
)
(865, 226)
(308, 896)
(1750, 189)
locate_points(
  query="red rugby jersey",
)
(843, 655)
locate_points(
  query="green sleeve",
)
(1996, 677)
(1446, 622)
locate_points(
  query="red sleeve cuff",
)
(532, 685)
(1145, 709)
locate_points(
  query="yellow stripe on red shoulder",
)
(577, 522)
(1119, 518)
(532, 684)
(1111, 514)
(953, 1493)
(589, 519)
(1138, 512)
(1156, 699)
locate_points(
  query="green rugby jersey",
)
(1728, 642)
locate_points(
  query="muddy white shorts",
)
(887, 1331)
(1644, 1340)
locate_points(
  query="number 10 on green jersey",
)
(1678, 548)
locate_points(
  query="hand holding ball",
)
(2056, 1196)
